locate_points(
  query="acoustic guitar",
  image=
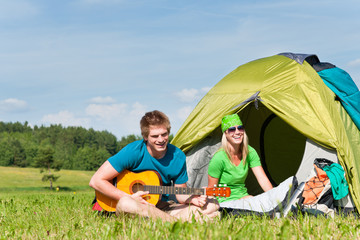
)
(131, 182)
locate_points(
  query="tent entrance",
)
(283, 150)
(280, 147)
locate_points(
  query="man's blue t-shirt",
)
(136, 158)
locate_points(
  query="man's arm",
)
(101, 181)
(193, 199)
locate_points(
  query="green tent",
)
(290, 116)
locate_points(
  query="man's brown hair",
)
(154, 118)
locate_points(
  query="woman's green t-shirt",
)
(233, 176)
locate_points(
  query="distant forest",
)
(74, 148)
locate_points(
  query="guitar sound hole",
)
(137, 187)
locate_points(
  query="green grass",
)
(67, 215)
(29, 179)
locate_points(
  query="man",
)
(153, 153)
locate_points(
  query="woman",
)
(231, 163)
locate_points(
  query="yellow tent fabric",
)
(295, 93)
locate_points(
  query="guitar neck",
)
(174, 190)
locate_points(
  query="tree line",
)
(74, 148)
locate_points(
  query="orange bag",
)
(315, 187)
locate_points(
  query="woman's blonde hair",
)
(243, 147)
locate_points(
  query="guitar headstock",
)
(218, 191)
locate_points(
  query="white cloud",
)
(65, 118)
(355, 63)
(184, 112)
(107, 112)
(115, 112)
(138, 110)
(13, 105)
(205, 90)
(192, 94)
(120, 119)
(188, 95)
(118, 112)
(102, 100)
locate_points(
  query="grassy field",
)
(26, 213)
(29, 179)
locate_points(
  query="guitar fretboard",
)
(173, 190)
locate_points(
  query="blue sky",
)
(104, 63)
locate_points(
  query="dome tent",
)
(290, 116)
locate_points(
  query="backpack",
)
(317, 196)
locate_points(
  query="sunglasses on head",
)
(233, 129)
